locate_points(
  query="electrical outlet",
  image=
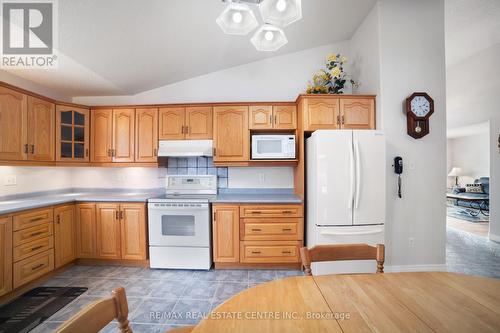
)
(10, 180)
(411, 242)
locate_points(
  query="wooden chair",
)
(342, 252)
(97, 315)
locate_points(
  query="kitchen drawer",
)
(271, 229)
(33, 218)
(30, 234)
(271, 211)
(29, 269)
(269, 251)
(29, 249)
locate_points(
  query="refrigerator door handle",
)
(358, 174)
(355, 233)
(351, 174)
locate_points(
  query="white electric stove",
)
(179, 223)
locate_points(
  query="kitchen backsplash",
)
(197, 166)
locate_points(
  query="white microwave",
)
(273, 147)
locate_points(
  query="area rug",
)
(32, 308)
(467, 214)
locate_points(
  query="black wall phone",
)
(398, 169)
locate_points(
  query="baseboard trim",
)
(494, 237)
(415, 268)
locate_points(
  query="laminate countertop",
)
(21, 202)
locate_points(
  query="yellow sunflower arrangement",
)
(333, 79)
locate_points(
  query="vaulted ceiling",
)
(122, 47)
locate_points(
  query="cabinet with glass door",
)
(72, 134)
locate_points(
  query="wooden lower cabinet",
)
(226, 233)
(85, 230)
(64, 235)
(5, 255)
(257, 234)
(29, 269)
(133, 231)
(108, 231)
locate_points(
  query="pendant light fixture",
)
(281, 12)
(269, 38)
(239, 19)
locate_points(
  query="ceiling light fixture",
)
(269, 38)
(238, 19)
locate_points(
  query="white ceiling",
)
(123, 47)
(470, 27)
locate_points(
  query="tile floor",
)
(158, 299)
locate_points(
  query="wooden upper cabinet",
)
(231, 134)
(226, 233)
(108, 231)
(123, 135)
(198, 123)
(85, 230)
(357, 113)
(285, 117)
(101, 142)
(261, 117)
(5, 255)
(41, 130)
(72, 134)
(321, 113)
(13, 125)
(146, 135)
(172, 123)
(133, 231)
(64, 235)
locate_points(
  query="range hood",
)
(180, 148)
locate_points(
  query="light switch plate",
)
(10, 180)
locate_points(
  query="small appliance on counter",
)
(273, 146)
(345, 194)
(179, 223)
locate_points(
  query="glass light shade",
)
(269, 38)
(281, 12)
(237, 19)
(455, 172)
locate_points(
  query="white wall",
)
(472, 155)
(413, 59)
(269, 177)
(494, 179)
(279, 78)
(34, 179)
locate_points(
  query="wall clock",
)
(419, 107)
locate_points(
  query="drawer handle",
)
(286, 252)
(287, 229)
(256, 212)
(37, 233)
(256, 229)
(255, 252)
(37, 219)
(36, 248)
(287, 212)
(37, 267)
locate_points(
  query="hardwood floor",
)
(476, 228)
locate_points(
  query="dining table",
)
(386, 302)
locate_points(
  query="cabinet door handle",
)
(37, 267)
(256, 229)
(214, 217)
(26, 148)
(275, 120)
(58, 219)
(121, 214)
(113, 152)
(87, 152)
(343, 120)
(155, 152)
(255, 252)
(117, 215)
(215, 152)
(109, 152)
(36, 248)
(32, 149)
(187, 129)
(271, 119)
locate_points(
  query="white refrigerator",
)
(345, 193)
